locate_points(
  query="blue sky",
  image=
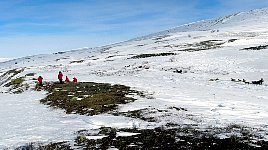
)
(29, 27)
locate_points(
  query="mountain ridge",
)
(212, 23)
(202, 25)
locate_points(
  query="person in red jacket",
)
(40, 81)
(60, 76)
(67, 79)
(74, 80)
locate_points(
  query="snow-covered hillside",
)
(189, 67)
(4, 59)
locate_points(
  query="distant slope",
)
(251, 21)
(257, 17)
(4, 59)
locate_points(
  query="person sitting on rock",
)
(74, 80)
(67, 79)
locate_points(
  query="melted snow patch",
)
(95, 137)
(126, 134)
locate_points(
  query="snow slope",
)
(4, 59)
(204, 50)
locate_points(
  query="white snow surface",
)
(4, 59)
(209, 103)
(24, 120)
(126, 134)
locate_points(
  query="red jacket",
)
(40, 79)
(67, 79)
(60, 76)
(74, 80)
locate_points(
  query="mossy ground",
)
(15, 82)
(87, 98)
(12, 73)
(15, 85)
(77, 61)
(185, 138)
(9, 75)
(260, 47)
(50, 146)
(151, 55)
(171, 138)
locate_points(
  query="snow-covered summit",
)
(258, 17)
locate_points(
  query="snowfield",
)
(4, 59)
(193, 70)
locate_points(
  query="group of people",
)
(60, 77)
